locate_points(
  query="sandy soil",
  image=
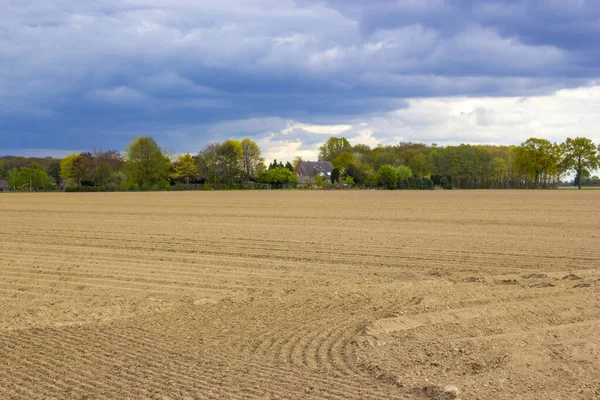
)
(300, 295)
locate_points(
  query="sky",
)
(93, 74)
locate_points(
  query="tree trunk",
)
(579, 172)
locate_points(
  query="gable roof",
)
(313, 168)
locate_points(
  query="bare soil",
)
(300, 295)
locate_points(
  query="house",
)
(4, 186)
(311, 169)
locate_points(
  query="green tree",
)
(297, 160)
(357, 172)
(289, 166)
(342, 160)
(17, 162)
(32, 177)
(252, 162)
(208, 163)
(321, 182)
(278, 176)
(54, 171)
(12, 178)
(348, 181)
(230, 155)
(333, 147)
(145, 164)
(105, 165)
(68, 168)
(82, 167)
(361, 149)
(387, 176)
(335, 176)
(500, 172)
(77, 167)
(276, 164)
(185, 168)
(581, 156)
(420, 165)
(404, 172)
(538, 159)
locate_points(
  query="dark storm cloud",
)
(81, 74)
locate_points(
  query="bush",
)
(387, 177)
(358, 175)
(278, 177)
(321, 182)
(445, 181)
(404, 172)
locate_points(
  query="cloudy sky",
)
(83, 74)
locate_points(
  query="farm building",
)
(311, 169)
(4, 186)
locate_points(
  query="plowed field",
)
(300, 295)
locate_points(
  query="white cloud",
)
(449, 121)
(329, 130)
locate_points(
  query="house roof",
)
(313, 168)
(3, 184)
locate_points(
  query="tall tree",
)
(342, 160)
(361, 149)
(12, 178)
(581, 156)
(356, 171)
(420, 165)
(335, 176)
(185, 168)
(68, 168)
(230, 160)
(83, 166)
(145, 164)
(105, 165)
(33, 176)
(252, 162)
(276, 164)
(500, 172)
(539, 159)
(332, 147)
(208, 163)
(297, 160)
(54, 171)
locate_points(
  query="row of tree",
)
(534, 163)
(236, 164)
(230, 164)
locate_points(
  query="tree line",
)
(535, 163)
